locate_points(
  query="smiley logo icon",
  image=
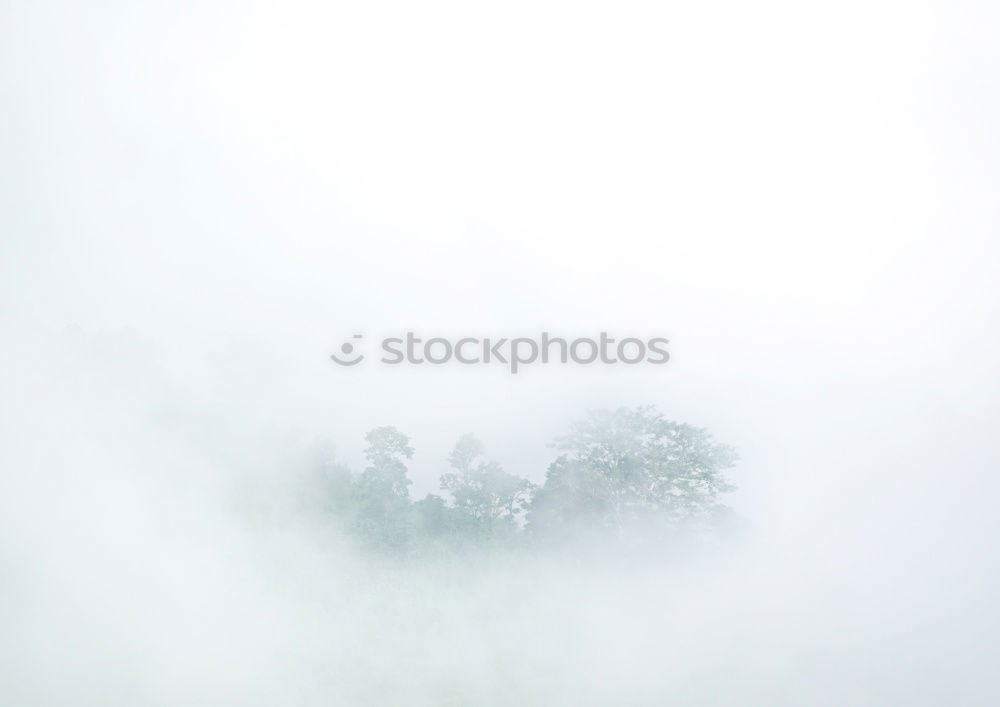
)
(347, 348)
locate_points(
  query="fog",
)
(200, 203)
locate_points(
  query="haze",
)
(200, 203)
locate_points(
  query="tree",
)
(441, 529)
(433, 513)
(382, 490)
(619, 468)
(624, 475)
(489, 498)
(331, 486)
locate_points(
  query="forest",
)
(623, 479)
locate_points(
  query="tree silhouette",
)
(623, 468)
(627, 475)
(490, 499)
(382, 494)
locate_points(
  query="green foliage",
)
(621, 476)
(490, 500)
(628, 466)
(333, 482)
(381, 493)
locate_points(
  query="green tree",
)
(489, 499)
(382, 494)
(623, 467)
(331, 487)
(441, 529)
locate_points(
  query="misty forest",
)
(627, 479)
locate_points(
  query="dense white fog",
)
(200, 203)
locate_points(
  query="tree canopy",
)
(628, 469)
(623, 476)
